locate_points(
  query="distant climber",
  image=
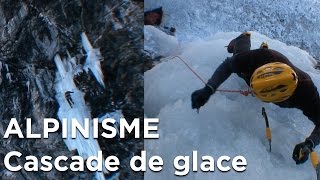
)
(273, 79)
(154, 18)
(68, 98)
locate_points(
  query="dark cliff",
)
(31, 34)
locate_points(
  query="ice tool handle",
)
(315, 163)
(268, 130)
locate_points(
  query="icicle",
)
(60, 66)
(40, 87)
(7, 67)
(23, 10)
(75, 68)
(72, 60)
(69, 66)
(15, 102)
(28, 85)
(85, 42)
(69, 56)
(0, 67)
(8, 75)
(93, 60)
(46, 19)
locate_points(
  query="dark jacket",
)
(153, 17)
(305, 97)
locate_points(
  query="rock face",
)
(31, 34)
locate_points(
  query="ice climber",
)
(272, 78)
(154, 18)
(68, 98)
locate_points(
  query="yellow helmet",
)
(274, 82)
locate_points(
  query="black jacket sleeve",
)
(308, 99)
(315, 117)
(222, 73)
(315, 136)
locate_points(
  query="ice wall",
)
(229, 124)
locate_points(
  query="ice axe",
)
(268, 130)
(315, 163)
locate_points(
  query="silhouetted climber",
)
(68, 98)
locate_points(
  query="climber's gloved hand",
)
(201, 96)
(301, 151)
